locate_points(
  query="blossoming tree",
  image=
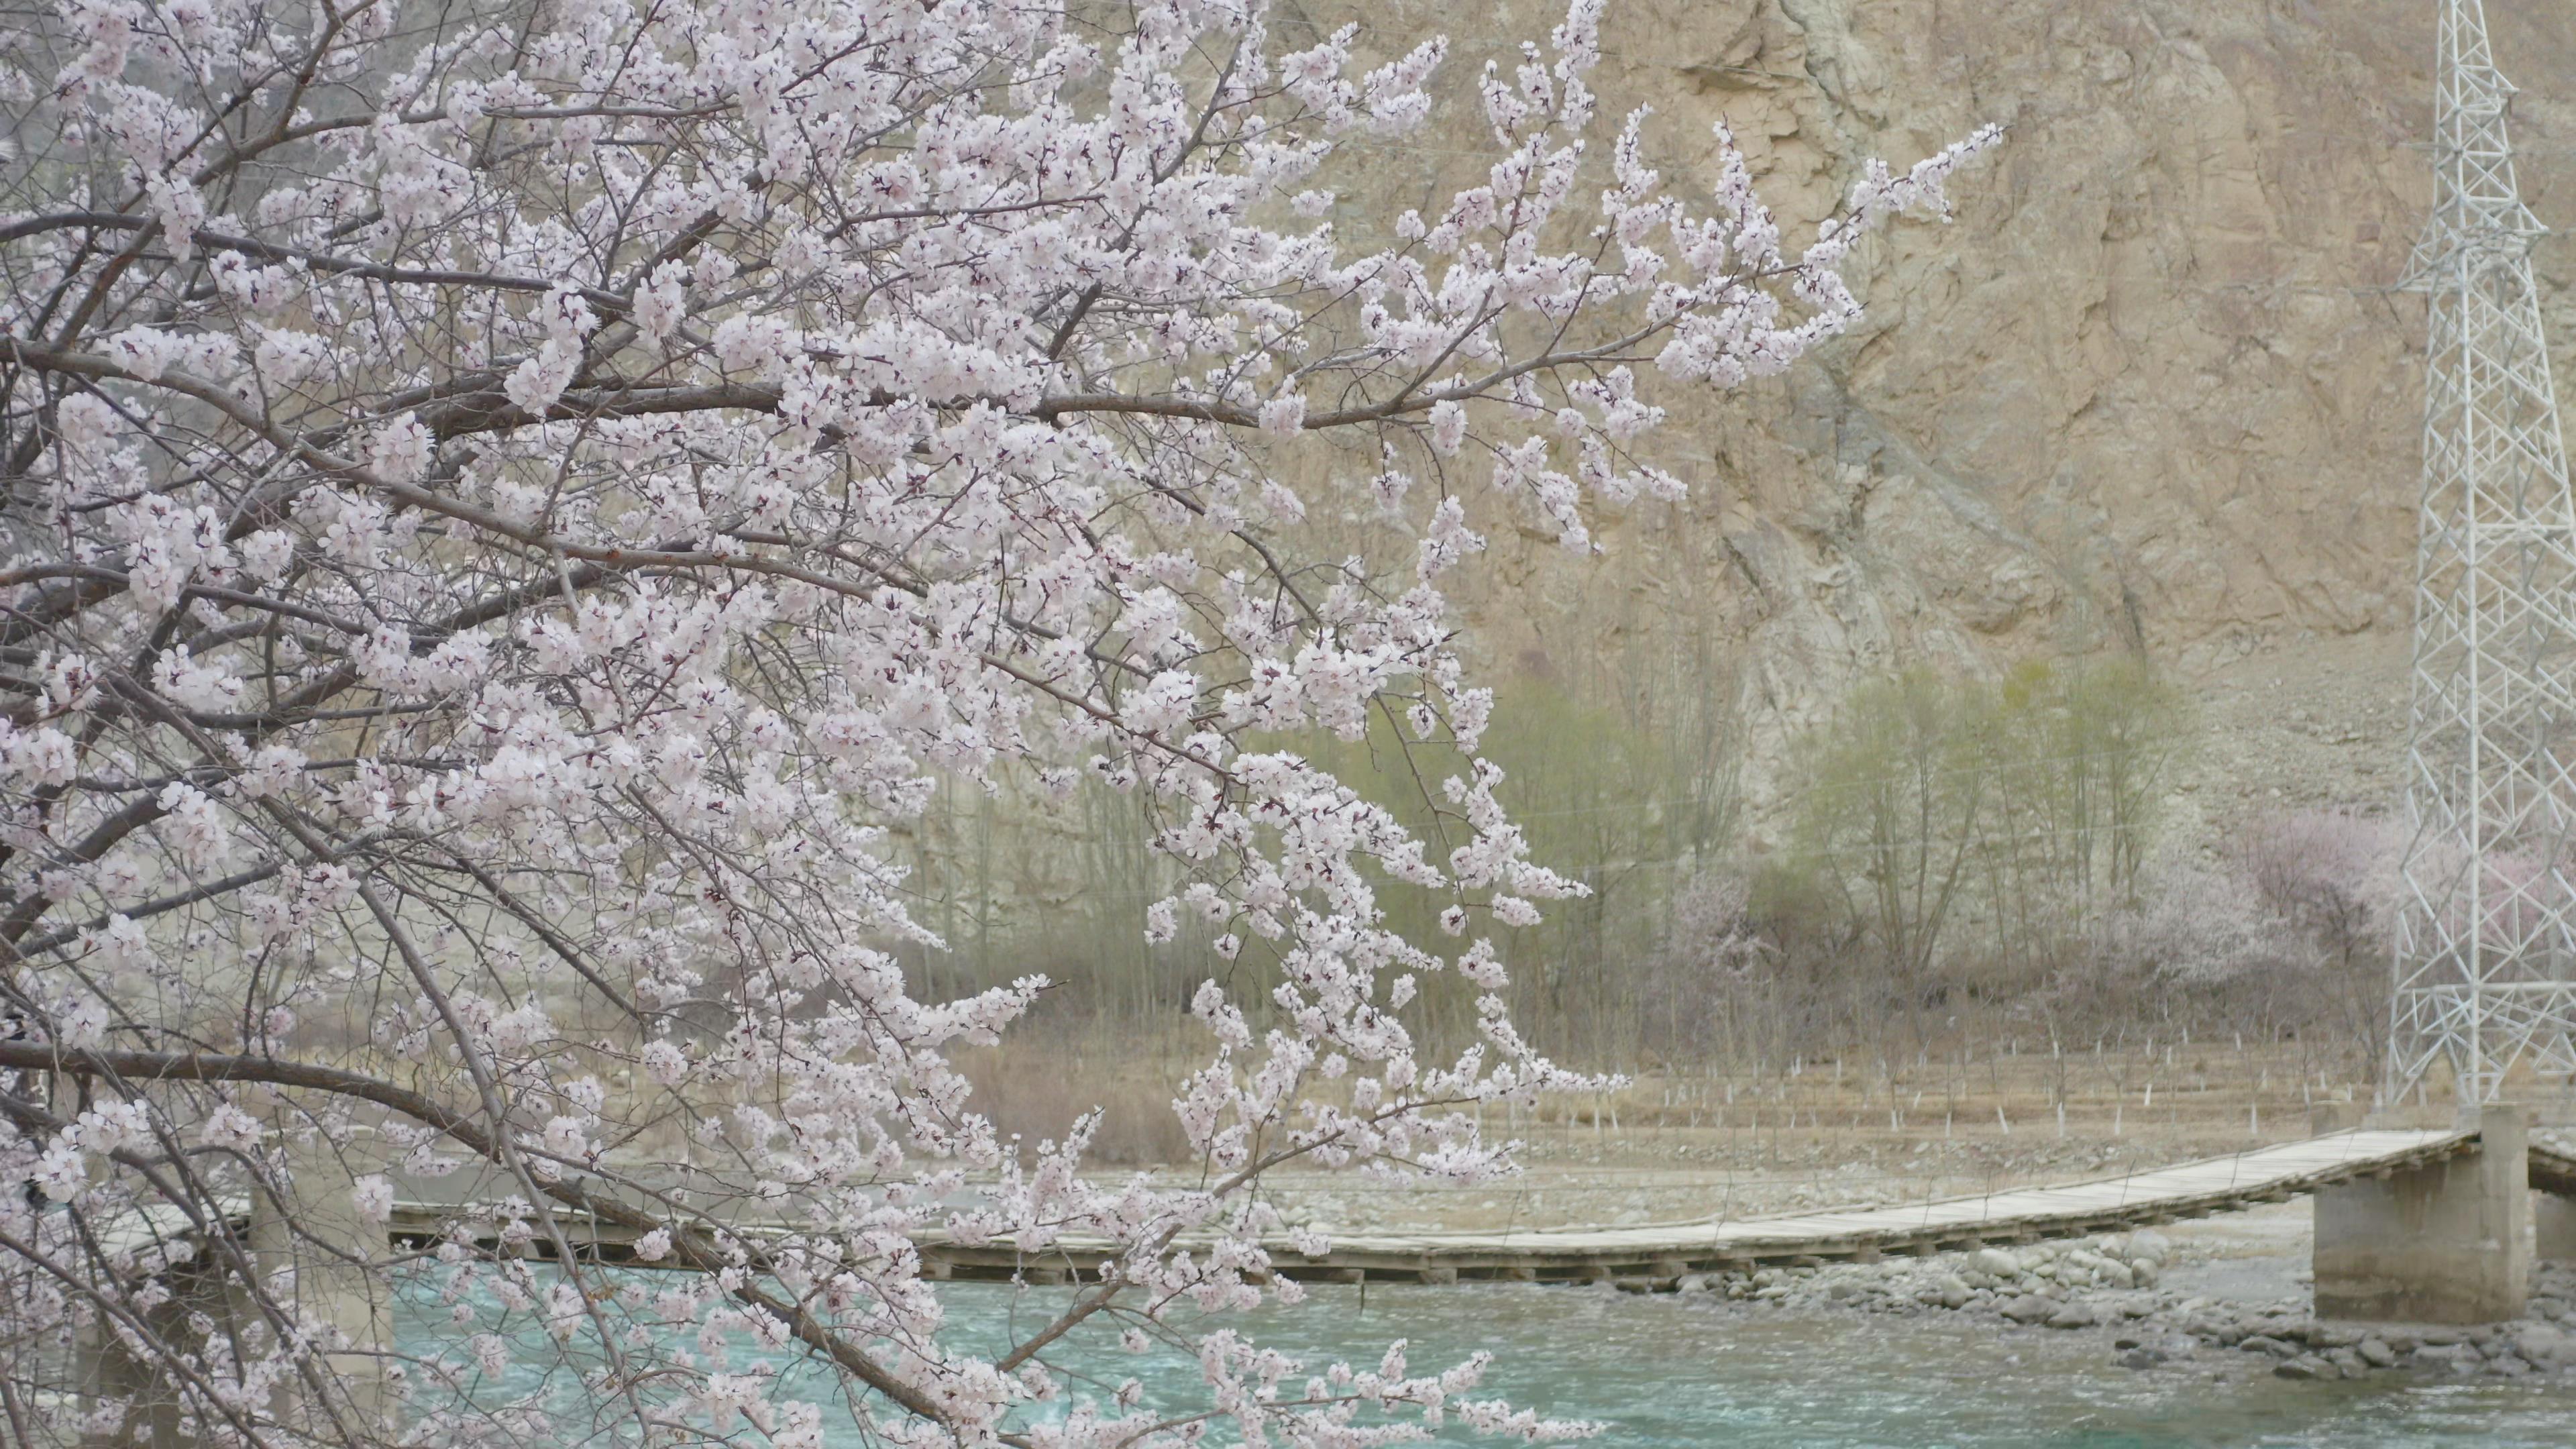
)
(510, 503)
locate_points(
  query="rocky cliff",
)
(2153, 389)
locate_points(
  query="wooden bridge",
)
(1659, 1255)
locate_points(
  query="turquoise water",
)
(1672, 1371)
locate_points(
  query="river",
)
(1696, 1371)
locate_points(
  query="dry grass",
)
(1035, 1090)
(2014, 1095)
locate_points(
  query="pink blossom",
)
(527, 517)
(229, 1126)
(1284, 416)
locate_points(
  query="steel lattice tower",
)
(2486, 932)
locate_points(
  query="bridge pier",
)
(319, 1260)
(2445, 1242)
(109, 1373)
(325, 1264)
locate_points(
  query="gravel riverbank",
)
(2223, 1298)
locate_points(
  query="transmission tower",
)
(2486, 931)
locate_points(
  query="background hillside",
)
(2150, 404)
(2150, 392)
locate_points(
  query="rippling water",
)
(1670, 1371)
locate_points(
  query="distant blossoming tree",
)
(2332, 876)
(2335, 874)
(2199, 926)
(510, 506)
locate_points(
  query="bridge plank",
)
(2219, 1184)
(1659, 1252)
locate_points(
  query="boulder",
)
(2375, 1353)
(2541, 1344)
(2029, 1308)
(2074, 1315)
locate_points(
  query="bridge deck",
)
(1658, 1254)
(2195, 1189)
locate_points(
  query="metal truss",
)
(2486, 929)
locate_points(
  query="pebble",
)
(2111, 1283)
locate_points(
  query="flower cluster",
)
(510, 513)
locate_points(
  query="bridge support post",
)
(324, 1263)
(109, 1373)
(2447, 1242)
(319, 1260)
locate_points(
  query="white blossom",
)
(528, 514)
(229, 1126)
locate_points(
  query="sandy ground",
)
(1676, 1176)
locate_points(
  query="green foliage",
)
(1623, 776)
(1626, 781)
(1895, 795)
(1951, 821)
(1943, 832)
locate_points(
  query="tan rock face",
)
(2150, 390)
